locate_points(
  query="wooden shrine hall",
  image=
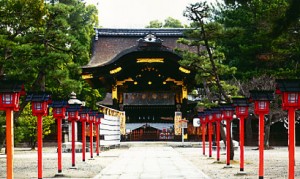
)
(141, 74)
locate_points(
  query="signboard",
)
(177, 119)
(149, 98)
(196, 122)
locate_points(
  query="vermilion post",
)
(59, 146)
(291, 112)
(203, 138)
(91, 139)
(83, 140)
(218, 140)
(228, 136)
(9, 144)
(73, 143)
(210, 138)
(242, 143)
(261, 145)
(97, 139)
(40, 145)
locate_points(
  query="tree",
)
(172, 23)
(45, 45)
(168, 23)
(155, 24)
(249, 43)
(206, 58)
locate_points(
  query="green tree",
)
(155, 24)
(206, 58)
(172, 23)
(45, 44)
(168, 23)
(260, 47)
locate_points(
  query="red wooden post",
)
(261, 107)
(228, 137)
(241, 110)
(83, 118)
(73, 116)
(59, 145)
(40, 145)
(59, 113)
(203, 137)
(217, 117)
(290, 91)
(98, 122)
(39, 105)
(10, 92)
(218, 140)
(210, 139)
(91, 120)
(227, 114)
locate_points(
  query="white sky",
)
(138, 13)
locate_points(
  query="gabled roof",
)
(109, 43)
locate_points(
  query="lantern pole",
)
(83, 140)
(261, 107)
(218, 139)
(9, 143)
(10, 92)
(59, 145)
(91, 138)
(210, 139)
(97, 138)
(203, 137)
(73, 142)
(40, 145)
(291, 139)
(242, 119)
(228, 137)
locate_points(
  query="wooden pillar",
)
(114, 92)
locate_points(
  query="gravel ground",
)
(275, 163)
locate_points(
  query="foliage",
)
(27, 126)
(46, 44)
(204, 56)
(249, 43)
(168, 23)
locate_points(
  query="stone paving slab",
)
(151, 163)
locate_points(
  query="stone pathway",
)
(151, 163)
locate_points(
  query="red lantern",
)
(227, 111)
(59, 109)
(39, 103)
(39, 106)
(290, 91)
(10, 93)
(73, 112)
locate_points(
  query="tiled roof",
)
(178, 32)
(108, 43)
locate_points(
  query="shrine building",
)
(140, 71)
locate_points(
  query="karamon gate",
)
(142, 76)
